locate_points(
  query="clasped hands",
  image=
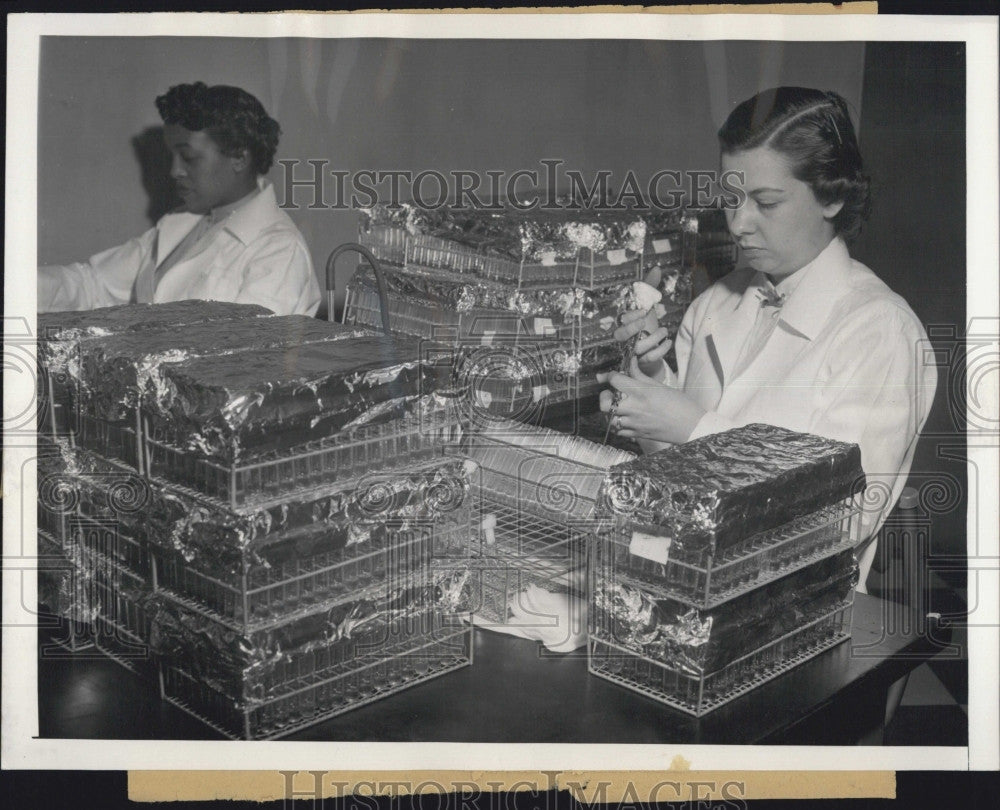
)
(645, 408)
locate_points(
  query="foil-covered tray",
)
(251, 668)
(117, 370)
(698, 642)
(59, 333)
(712, 492)
(228, 407)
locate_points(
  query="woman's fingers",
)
(632, 324)
(651, 343)
(655, 356)
(606, 400)
(624, 383)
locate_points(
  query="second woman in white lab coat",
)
(230, 243)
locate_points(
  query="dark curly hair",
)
(813, 130)
(232, 117)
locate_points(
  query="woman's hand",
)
(647, 409)
(652, 346)
(649, 350)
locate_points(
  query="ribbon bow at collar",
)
(769, 296)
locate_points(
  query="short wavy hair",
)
(233, 118)
(812, 129)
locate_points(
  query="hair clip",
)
(836, 129)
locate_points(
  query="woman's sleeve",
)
(279, 275)
(878, 395)
(104, 280)
(682, 344)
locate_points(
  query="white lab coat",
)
(258, 256)
(846, 360)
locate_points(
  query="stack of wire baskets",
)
(695, 628)
(260, 598)
(522, 354)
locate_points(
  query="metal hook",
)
(331, 280)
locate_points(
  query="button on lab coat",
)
(846, 360)
(257, 256)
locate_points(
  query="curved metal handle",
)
(331, 280)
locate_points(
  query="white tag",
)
(539, 392)
(650, 547)
(544, 326)
(617, 256)
(484, 398)
(607, 323)
(548, 258)
(487, 338)
(662, 246)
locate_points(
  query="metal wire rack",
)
(317, 696)
(699, 695)
(259, 598)
(700, 579)
(335, 463)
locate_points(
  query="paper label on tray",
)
(484, 398)
(487, 338)
(544, 326)
(650, 547)
(617, 256)
(539, 392)
(548, 258)
(662, 246)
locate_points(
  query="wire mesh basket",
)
(336, 462)
(700, 579)
(386, 242)
(112, 440)
(111, 540)
(58, 492)
(63, 598)
(534, 511)
(310, 699)
(701, 694)
(515, 549)
(122, 621)
(260, 596)
(541, 472)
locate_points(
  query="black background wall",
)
(913, 141)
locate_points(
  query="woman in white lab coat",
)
(230, 243)
(805, 337)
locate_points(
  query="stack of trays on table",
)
(62, 337)
(535, 495)
(529, 299)
(272, 532)
(94, 570)
(730, 560)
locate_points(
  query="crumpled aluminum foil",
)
(717, 490)
(60, 333)
(698, 642)
(227, 544)
(229, 409)
(120, 370)
(517, 235)
(250, 668)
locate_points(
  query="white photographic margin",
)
(20, 749)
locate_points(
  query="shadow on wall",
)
(154, 162)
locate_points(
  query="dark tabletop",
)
(518, 692)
